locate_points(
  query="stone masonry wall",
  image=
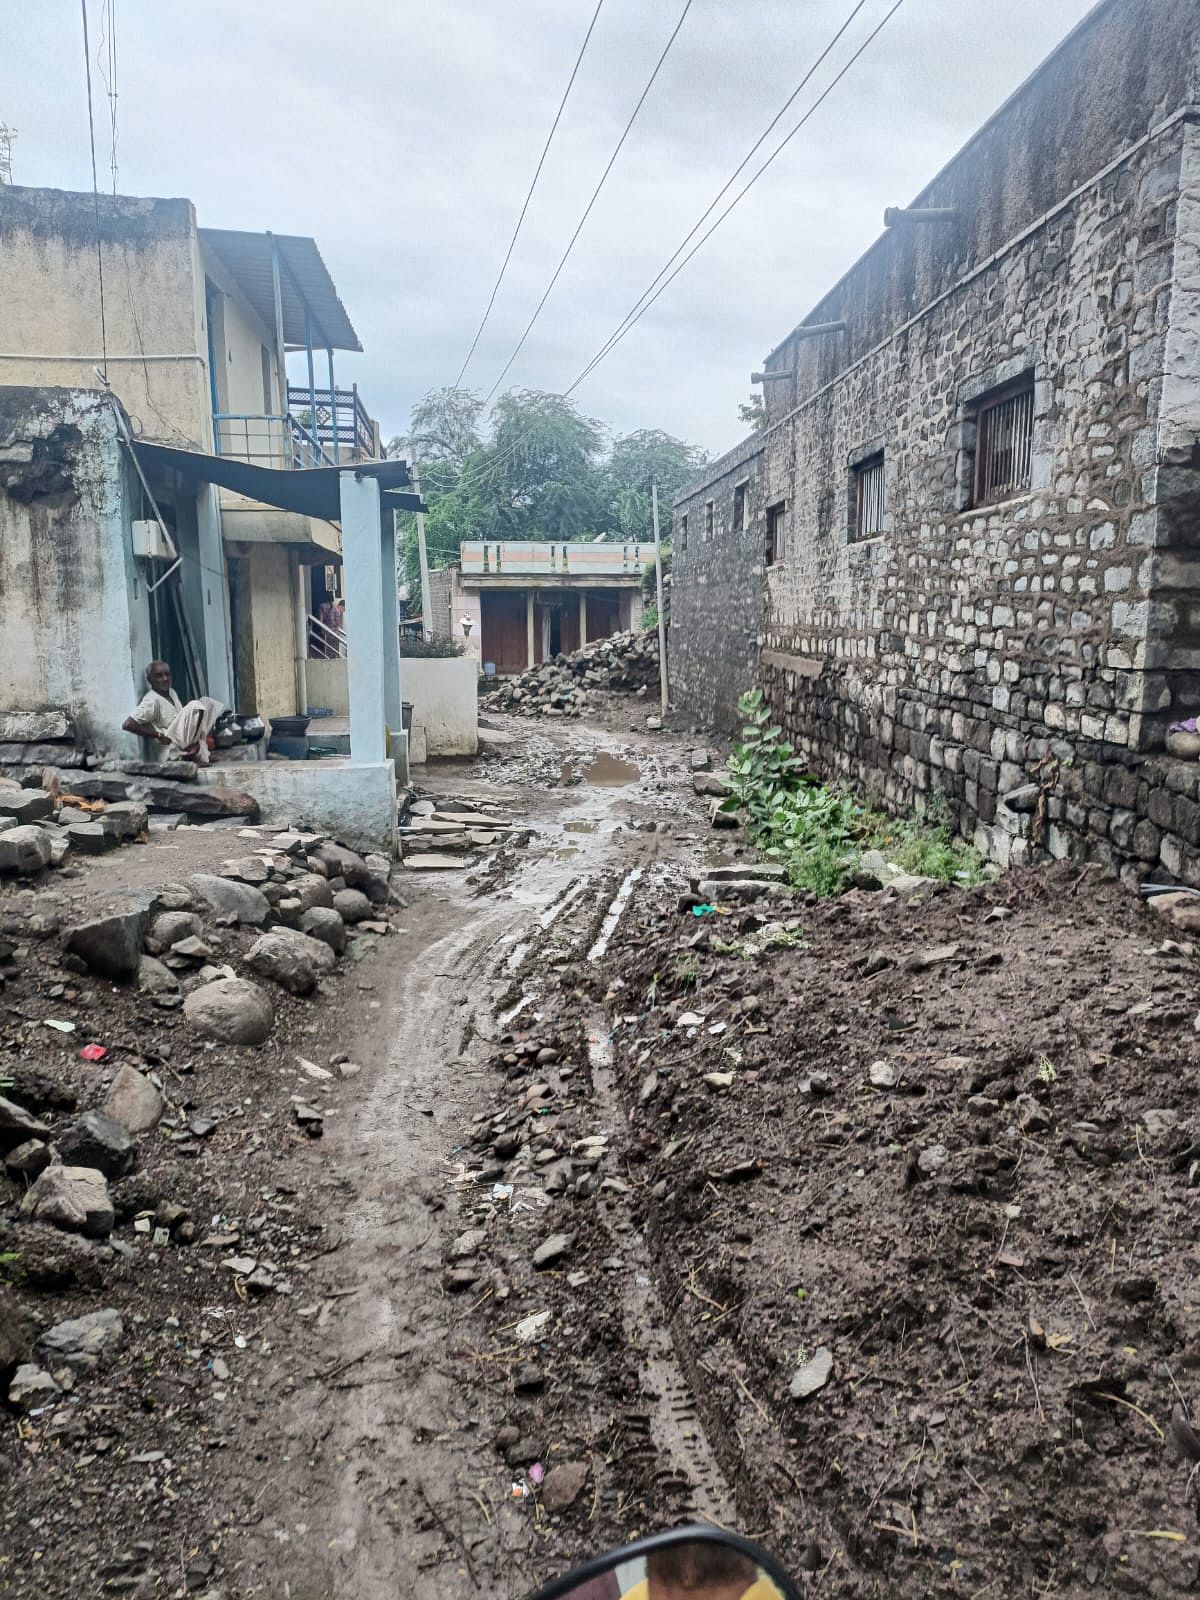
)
(1017, 664)
(717, 589)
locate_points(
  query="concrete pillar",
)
(300, 619)
(390, 659)
(582, 618)
(218, 652)
(363, 578)
(529, 625)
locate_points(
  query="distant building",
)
(515, 602)
(961, 555)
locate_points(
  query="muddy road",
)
(380, 1471)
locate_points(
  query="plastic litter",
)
(59, 1027)
(93, 1052)
(704, 911)
(537, 1472)
(532, 1326)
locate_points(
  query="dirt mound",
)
(626, 662)
(922, 1193)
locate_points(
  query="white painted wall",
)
(353, 802)
(74, 620)
(327, 686)
(445, 702)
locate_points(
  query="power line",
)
(734, 175)
(595, 196)
(87, 62)
(529, 196)
(615, 339)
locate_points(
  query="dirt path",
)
(380, 1474)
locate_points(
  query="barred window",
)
(870, 498)
(683, 531)
(1004, 442)
(708, 520)
(776, 546)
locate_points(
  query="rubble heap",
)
(625, 662)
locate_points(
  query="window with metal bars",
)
(708, 520)
(776, 544)
(870, 498)
(1004, 442)
(683, 531)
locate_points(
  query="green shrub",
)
(437, 646)
(819, 833)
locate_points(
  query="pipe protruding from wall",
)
(894, 216)
(786, 373)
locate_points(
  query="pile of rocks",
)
(625, 662)
(40, 827)
(447, 833)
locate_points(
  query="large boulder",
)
(231, 1010)
(127, 819)
(17, 1124)
(341, 863)
(133, 1102)
(169, 927)
(24, 849)
(111, 946)
(293, 960)
(324, 923)
(352, 905)
(84, 1344)
(25, 805)
(238, 902)
(94, 1140)
(311, 890)
(75, 1199)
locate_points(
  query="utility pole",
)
(423, 554)
(662, 619)
(7, 135)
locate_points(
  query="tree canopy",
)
(540, 470)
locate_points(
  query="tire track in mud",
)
(386, 1482)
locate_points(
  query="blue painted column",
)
(390, 665)
(363, 583)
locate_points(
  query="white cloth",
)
(156, 710)
(183, 725)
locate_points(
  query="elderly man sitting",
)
(160, 717)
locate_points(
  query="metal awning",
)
(310, 491)
(304, 284)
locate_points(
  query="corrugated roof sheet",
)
(309, 491)
(303, 279)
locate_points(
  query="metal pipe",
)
(774, 377)
(337, 442)
(280, 346)
(312, 380)
(897, 214)
(815, 330)
(662, 621)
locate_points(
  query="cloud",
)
(404, 137)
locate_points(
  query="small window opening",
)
(1004, 442)
(683, 531)
(739, 508)
(708, 520)
(776, 545)
(870, 498)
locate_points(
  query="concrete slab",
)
(434, 863)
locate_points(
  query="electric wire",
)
(87, 62)
(529, 195)
(615, 339)
(736, 173)
(491, 468)
(587, 211)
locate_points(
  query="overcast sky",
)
(403, 136)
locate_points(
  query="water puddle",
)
(606, 771)
(581, 827)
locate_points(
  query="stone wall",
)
(1037, 648)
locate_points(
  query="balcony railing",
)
(268, 441)
(325, 642)
(337, 420)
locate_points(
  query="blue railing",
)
(266, 440)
